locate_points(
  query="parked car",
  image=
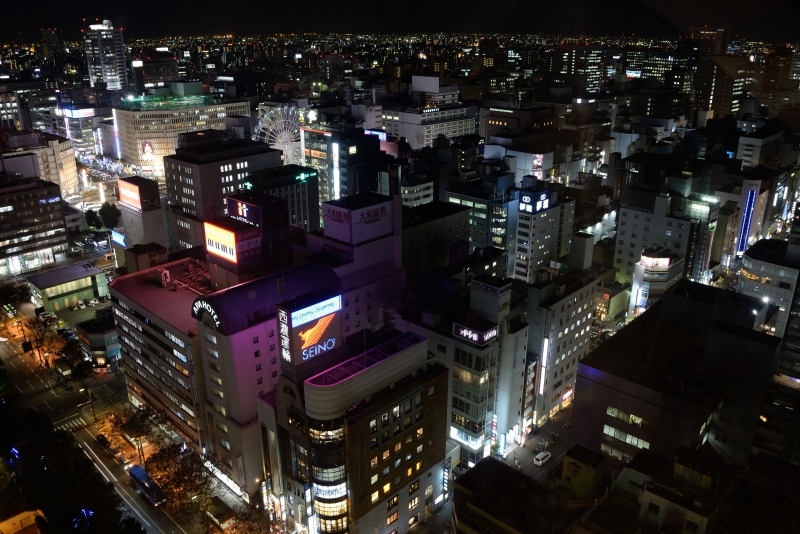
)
(93, 302)
(81, 305)
(105, 298)
(541, 458)
(103, 441)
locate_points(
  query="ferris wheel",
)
(280, 128)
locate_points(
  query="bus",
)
(145, 484)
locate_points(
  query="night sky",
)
(779, 22)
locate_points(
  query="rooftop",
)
(98, 325)
(166, 102)
(222, 150)
(349, 368)
(771, 251)
(358, 201)
(63, 275)
(419, 215)
(172, 304)
(585, 456)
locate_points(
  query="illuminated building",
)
(152, 68)
(692, 370)
(105, 55)
(148, 127)
(99, 339)
(722, 82)
(142, 215)
(54, 157)
(656, 271)
(58, 289)
(494, 211)
(585, 61)
(770, 270)
(561, 305)
(160, 343)
(31, 236)
(297, 185)
(390, 402)
(544, 226)
(202, 172)
(481, 335)
(240, 343)
(494, 120)
(80, 125)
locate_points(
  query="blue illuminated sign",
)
(118, 238)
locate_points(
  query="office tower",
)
(52, 158)
(584, 61)
(51, 44)
(204, 170)
(34, 227)
(105, 55)
(352, 444)
(794, 68)
(544, 228)
(692, 370)
(494, 211)
(721, 82)
(152, 68)
(142, 215)
(710, 40)
(480, 333)
(141, 137)
(160, 343)
(560, 311)
(83, 126)
(297, 185)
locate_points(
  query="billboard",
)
(148, 150)
(129, 195)
(534, 202)
(474, 336)
(232, 245)
(310, 331)
(243, 211)
(359, 225)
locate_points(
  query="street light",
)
(91, 401)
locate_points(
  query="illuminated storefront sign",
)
(230, 245)
(534, 202)
(380, 134)
(137, 63)
(303, 176)
(243, 211)
(474, 336)
(129, 195)
(310, 331)
(118, 238)
(201, 306)
(655, 262)
(335, 159)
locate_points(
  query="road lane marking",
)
(87, 448)
(18, 388)
(62, 420)
(12, 364)
(51, 408)
(141, 514)
(29, 383)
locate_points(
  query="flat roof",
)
(419, 215)
(211, 151)
(349, 368)
(359, 201)
(63, 275)
(771, 251)
(585, 456)
(171, 304)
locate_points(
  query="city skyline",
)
(360, 16)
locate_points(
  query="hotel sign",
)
(232, 246)
(201, 306)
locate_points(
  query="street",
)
(526, 454)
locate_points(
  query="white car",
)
(541, 458)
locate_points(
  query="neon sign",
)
(201, 306)
(474, 336)
(534, 203)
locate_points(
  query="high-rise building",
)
(152, 68)
(584, 61)
(203, 170)
(33, 224)
(560, 311)
(52, 158)
(721, 83)
(356, 442)
(544, 228)
(105, 55)
(51, 44)
(160, 343)
(658, 270)
(142, 215)
(710, 40)
(147, 127)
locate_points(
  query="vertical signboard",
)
(310, 331)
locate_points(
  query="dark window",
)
(653, 508)
(441, 348)
(259, 380)
(691, 526)
(257, 353)
(255, 339)
(258, 367)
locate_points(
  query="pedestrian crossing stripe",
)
(72, 425)
(102, 391)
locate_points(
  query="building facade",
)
(105, 55)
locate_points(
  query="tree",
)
(83, 369)
(42, 459)
(140, 425)
(251, 520)
(72, 350)
(110, 215)
(41, 333)
(14, 294)
(187, 484)
(92, 219)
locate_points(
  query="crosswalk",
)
(72, 425)
(102, 391)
